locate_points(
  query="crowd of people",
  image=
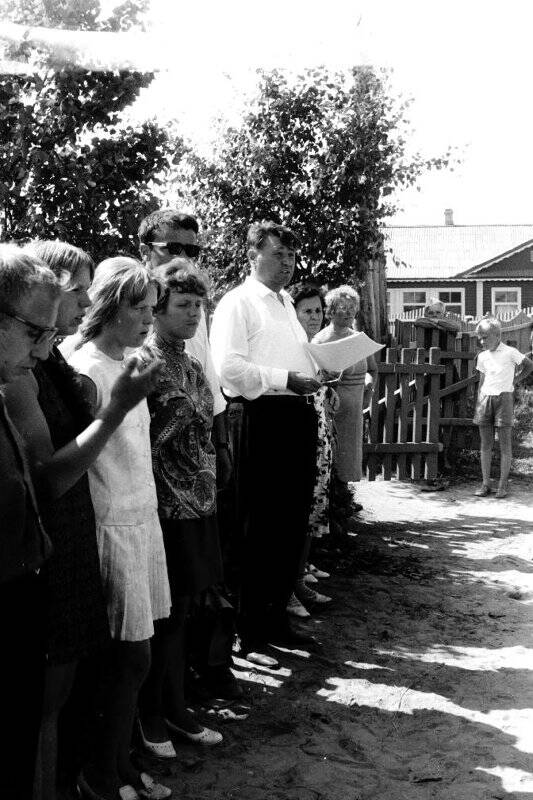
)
(160, 477)
(163, 482)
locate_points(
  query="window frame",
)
(460, 290)
(413, 306)
(494, 289)
(433, 291)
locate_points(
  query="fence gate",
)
(404, 415)
(422, 404)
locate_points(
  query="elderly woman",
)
(342, 307)
(184, 462)
(309, 307)
(130, 541)
(63, 439)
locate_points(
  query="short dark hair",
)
(168, 216)
(20, 273)
(304, 290)
(258, 233)
(178, 276)
(61, 258)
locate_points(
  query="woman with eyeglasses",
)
(63, 439)
(354, 388)
(130, 541)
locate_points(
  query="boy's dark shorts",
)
(496, 410)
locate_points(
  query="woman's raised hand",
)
(133, 386)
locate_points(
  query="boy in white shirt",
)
(501, 368)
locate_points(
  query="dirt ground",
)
(423, 687)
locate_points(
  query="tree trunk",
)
(367, 313)
(380, 282)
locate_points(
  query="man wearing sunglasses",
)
(168, 234)
(29, 299)
(163, 236)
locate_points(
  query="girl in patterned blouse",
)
(184, 464)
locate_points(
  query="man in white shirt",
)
(259, 352)
(501, 367)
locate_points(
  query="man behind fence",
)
(501, 368)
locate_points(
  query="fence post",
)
(372, 460)
(433, 425)
(391, 380)
(418, 412)
(408, 355)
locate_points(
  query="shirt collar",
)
(255, 286)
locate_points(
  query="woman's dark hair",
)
(64, 259)
(304, 290)
(178, 276)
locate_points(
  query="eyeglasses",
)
(178, 248)
(39, 334)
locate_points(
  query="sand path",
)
(424, 686)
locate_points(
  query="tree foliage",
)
(323, 154)
(69, 166)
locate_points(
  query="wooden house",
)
(473, 269)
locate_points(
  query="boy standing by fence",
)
(501, 368)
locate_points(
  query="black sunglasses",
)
(178, 248)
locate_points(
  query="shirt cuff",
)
(279, 378)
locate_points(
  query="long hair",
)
(64, 259)
(116, 280)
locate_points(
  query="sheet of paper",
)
(339, 355)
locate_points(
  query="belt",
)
(291, 399)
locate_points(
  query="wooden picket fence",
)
(422, 406)
(517, 329)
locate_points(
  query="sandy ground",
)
(423, 687)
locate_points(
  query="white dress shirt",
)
(198, 347)
(256, 340)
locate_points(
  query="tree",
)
(324, 154)
(70, 167)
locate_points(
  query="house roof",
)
(493, 263)
(445, 251)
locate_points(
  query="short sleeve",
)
(517, 356)
(91, 370)
(480, 363)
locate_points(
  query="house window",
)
(453, 300)
(413, 299)
(506, 300)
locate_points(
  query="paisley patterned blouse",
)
(181, 411)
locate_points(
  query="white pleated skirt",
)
(134, 576)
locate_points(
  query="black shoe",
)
(221, 683)
(293, 640)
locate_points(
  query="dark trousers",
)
(22, 671)
(276, 480)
